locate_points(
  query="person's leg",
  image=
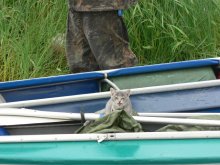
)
(78, 52)
(108, 39)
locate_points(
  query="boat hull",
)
(84, 83)
(190, 151)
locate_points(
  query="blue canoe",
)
(177, 87)
(84, 83)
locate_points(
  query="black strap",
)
(83, 120)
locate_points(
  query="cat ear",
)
(128, 92)
(112, 91)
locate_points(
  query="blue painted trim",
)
(50, 80)
(164, 67)
(3, 132)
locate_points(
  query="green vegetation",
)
(26, 32)
(174, 30)
(160, 31)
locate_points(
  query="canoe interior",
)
(49, 91)
(60, 128)
(162, 78)
(190, 100)
(44, 129)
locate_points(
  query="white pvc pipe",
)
(24, 120)
(177, 115)
(162, 120)
(14, 116)
(111, 83)
(55, 100)
(102, 95)
(66, 116)
(111, 137)
(19, 115)
(2, 100)
(45, 114)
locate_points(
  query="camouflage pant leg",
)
(78, 52)
(108, 39)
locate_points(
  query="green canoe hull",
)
(190, 151)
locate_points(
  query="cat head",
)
(120, 98)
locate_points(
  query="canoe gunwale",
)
(14, 116)
(48, 81)
(111, 137)
(44, 85)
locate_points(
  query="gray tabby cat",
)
(119, 101)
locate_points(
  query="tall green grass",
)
(159, 30)
(26, 31)
(174, 30)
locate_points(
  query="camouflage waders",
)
(96, 39)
